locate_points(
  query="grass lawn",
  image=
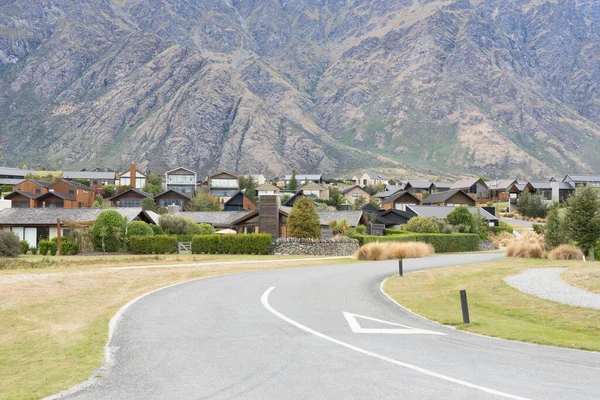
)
(585, 278)
(496, 309)
(54, 320)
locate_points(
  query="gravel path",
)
(546, 284)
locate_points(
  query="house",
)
(499, 189)
(12, 176)
(449, 198)
(371, 179)
(130, 198)
(223, 185)
(218, 219)
(172, 198)
(37, 224)
(266, 189)
(304, 179)
(259, 179)
(20, 199)
(315, 191)
(56, 200)
(552, 191)
(583, 180)
(399, 200)
(474, 186)
(441, 186)
(181, 180)
(239, 202)
(387, 193)
(32, 186)
(290, 202)
(392, 217)
(76, 195)
(443, 211)
(419, 186)
(124, 178)
(397, 182)
(352, 193)
(514, 192)
(94, 177)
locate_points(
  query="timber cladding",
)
(268, 215)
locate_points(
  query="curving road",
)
(301, 334)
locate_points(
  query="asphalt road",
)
(283, 335)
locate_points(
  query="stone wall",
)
(316, 247)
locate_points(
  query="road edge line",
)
(265, 301)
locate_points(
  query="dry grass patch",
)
(497, 309)
(529, 245)
(394, 251)
(565, 252)
(54, 322)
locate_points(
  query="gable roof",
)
(350, 188)
(57, 194)
(397, 195)
(290, 202)
(128, 172)
(369, 208)
(19, 192)
(391, 189)
(173, 191)
(376, 176)
(267, 186)
(442, 185)
(583, 178)
(382, 218)
(74, 184)
(141, 193)
(180, 168)
(544, 185)
(236, 195)
(37, 182)
(502, 184)
(223, 174)
(467, 183)
(443, 211)
(419, 184)
(48, 216)
(442, 197)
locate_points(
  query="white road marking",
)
(403, 330)
(265, 301)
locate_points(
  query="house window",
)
(71, 191)
(130, 203)
(311, 193)
(223, 183)
(38, 191)
(170, 202)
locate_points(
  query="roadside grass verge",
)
(585, 278)
(54, 321)
(497, 309)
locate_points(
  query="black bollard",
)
(465, 306)
(400, 268)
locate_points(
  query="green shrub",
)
(193, 228)
(460, 216)
(52, 247)
(184, 238)
(44, 245)
(108, 231)
(139, 228)
(442, 243)
(173, 225)
(6, 189)
(10, 245)
(24, 247)
(232, 244)
(157, 244)
(34, 250)
(163, 210)
(67, 247)
(388, 232)
(531, 205)
(538, 228)
(149, 204)
(205, 229)
(422, 225)
(502, 227)
(157, 229)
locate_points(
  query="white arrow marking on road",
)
(403, 330)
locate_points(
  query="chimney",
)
(268, 214)
(132, 176)
(173, 208)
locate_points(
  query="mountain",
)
(491, 87)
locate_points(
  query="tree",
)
(85, 182)
(293, 184)
(339, 227)
(10, 246)
(148, 204)
(555, 231)
(108, 231)
(204, 201)
(359, 202)
(173, 225)
(582, 219)
(101, 202)
(422, 225)
(303, 221)
(248, 186)
(460, 216)
(531, 205)
(153, 185)
(336, 198)
(139, 228)
(374, 189)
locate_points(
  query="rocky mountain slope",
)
(481, 87)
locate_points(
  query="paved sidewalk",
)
(545, 283)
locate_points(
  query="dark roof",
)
(215, 218)
(443, 185)
(173, 191)
(390, 190)
(88, 175)
(583, 178)
(382, 218)
(443, 211)
(140, 192)
(467, 183)
(369, 208)
(48, 216)
(501, 184)
(419, 184)
(442, 197)
(548, 185)
(349, 188)
(222, 173)
(57, 194)
(40, 183)
(76, 184)
(290, 202)
(397, 195)
(16, 192)
(237, 194)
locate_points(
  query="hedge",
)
(184, 238)
(442, 243)
(388, 232)
(157, 244)
(503, 227)
(253, 243)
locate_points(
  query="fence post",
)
(465, 307)
(400, 268)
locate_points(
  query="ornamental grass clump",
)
(529, 245)
(394, 251)
(565, 252)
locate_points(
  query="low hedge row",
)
(388, 232)
(254, 243)
(442, 243)
(157, 244)
(503, 227)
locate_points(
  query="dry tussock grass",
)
(530, 245)
(394, 251)
(502, 239)
(565, 252)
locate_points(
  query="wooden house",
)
(449, 198)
